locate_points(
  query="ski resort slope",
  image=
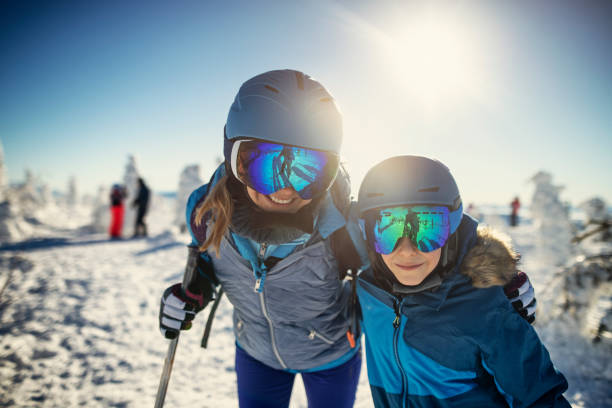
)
(78, 326)
(78, 323)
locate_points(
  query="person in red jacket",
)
(515, 205)
(117, 196)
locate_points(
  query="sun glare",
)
(435, 60)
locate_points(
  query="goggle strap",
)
(234, 158)
(454, 218)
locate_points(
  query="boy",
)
(439, 329)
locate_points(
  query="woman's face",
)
(409, 265)
(283, 201)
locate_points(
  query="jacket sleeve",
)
(520, 364)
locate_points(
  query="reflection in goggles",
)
(427, 227)
(268, 167)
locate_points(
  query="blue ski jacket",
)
(292, 316)
(457, 345)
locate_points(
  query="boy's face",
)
(409, 265)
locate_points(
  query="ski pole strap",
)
(354, 330)
(211, 316)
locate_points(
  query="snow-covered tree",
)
(13, 226)
(130, 181)
(18, 203)
(189, 180)
(2, 174)
(595, 209)
(100, 216)
(586, 290)
(598, 223)
(72, 196)
(46, 195)
(27, 196)
(551, 218)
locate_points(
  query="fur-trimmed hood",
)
(491, 261)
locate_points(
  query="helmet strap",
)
(444, 257)
(449, 251)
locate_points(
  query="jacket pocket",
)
(239, 327)
(313, 334)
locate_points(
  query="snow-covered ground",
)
(78, 321)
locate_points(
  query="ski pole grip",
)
(199, 277)
(191, 269)
(192, 281)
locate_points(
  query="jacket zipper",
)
(265, 313)
(314, 334)
(396, 331)
(262, 253)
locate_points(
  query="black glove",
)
(522, 296)
(178, 308)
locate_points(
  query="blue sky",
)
(496, 90)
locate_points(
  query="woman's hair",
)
(218, 205)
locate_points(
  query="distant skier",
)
(515, 205)
(141, 202)
(117, 195)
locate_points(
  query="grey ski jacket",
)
(298, 320)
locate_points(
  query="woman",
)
(263, 225)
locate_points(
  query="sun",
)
(435, 59)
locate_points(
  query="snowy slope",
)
(78, 324)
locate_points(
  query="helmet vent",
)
(271, 88)
(429, 190)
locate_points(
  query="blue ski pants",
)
(260, 386)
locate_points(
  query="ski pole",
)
(165, 377)
(189, 277)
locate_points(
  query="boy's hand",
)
(522, 296)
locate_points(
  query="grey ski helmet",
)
(410, 180)
(287, 107)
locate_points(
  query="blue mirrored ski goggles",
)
(427, 227)
(269, 167)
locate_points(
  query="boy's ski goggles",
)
(269, 167)
(427, 227)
